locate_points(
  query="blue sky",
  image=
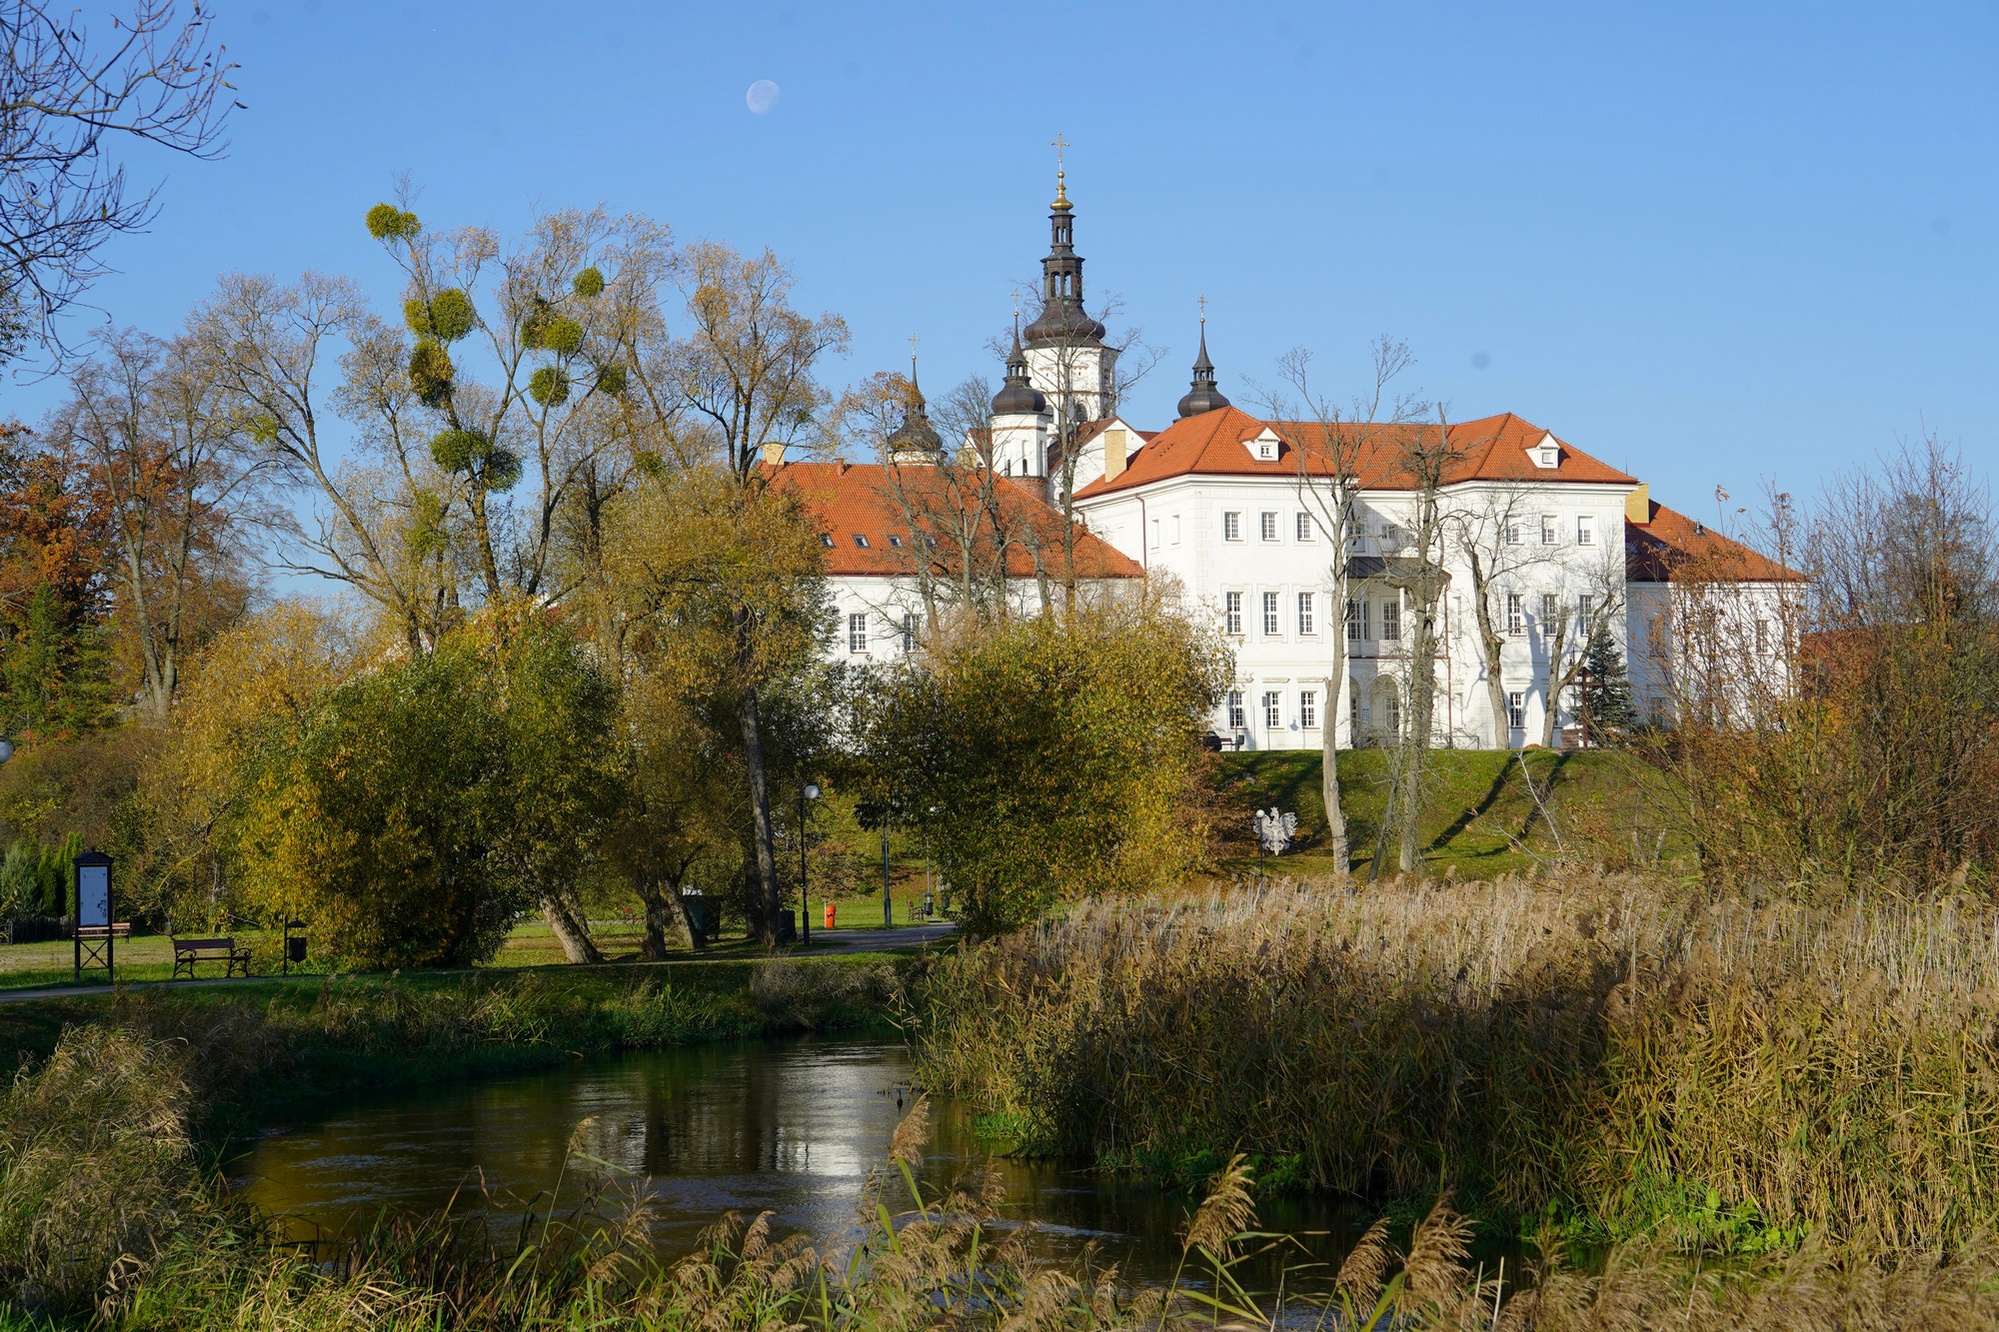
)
(1713, 244)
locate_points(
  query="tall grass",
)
(1636, 1059)
(163, 1251)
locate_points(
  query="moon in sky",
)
(762, 96)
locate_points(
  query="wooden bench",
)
(235, 961)
(118, 930)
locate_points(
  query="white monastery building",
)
(1235, 509)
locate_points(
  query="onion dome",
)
(1018, 397)
(1203, 396)
(915, 438)
(1062, 319)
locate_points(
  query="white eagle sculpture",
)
(1274, 830)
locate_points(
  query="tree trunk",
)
(1329, 742)
(664, 910)
(763, 837)
(1551, 694)
(573, 934)
(1417, 727)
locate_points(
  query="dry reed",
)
(1621, 1052)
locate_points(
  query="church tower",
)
(1021, 421)
(1066, 356)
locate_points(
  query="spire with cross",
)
(1202, 396)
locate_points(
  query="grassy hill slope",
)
(1479, 817)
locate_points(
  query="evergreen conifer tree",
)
(1607, 709)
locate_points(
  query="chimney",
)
(773, 454)
(1638, 505)
(1114, 454)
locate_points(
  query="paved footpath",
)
(823, 942)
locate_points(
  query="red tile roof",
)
(1493, 448)
(1672, 547)
(859, 499)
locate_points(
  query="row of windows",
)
(1551, 611)
(1359, 616)
(861, 541)
(857, 630)
(1551, 530)
(1272, 710)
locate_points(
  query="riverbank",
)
(253, 1047)
(1622, 1058)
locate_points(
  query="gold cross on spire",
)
(1061, 190)
(1203, 303)
(1058, 145)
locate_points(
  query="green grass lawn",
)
(1479, 819)
(148, 957)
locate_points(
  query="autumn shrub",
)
(1050, 757)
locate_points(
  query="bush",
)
(1050, 757)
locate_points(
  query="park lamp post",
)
(809, 791)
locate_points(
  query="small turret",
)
(1018, 397)
(915, 440)
(1203, 396)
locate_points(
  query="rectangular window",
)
(1550, 610)
(1762, 638)
(1516, 615)
(1586, 530)
(1516, 711)
(1353, 712)
(1176, 529)
(857, 633)
(1270, 628)
(1231, 526)
(1391, 621)
(911, 623)
(1391, 536)
(1308, 709)
(1236, 722)
(1551, 532)
(1583, 604)
(1232, 613)
(1155, 534)
(1270, 527)
(1305, 532)
(1513, 537)
(1307, 622)
(1356, 617)
(1273, 710)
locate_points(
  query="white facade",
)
(1253, 553)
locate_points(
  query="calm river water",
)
(789, 1127)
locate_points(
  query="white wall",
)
(1177, 526)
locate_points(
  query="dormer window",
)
(1264, 447)
(1547, 453)
(860, 541)
(826, 540)
(894, 541)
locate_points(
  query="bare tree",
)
(1337, 449)
(161, 79)
(1491, 534)
(1428, 456)
(155, 424)
(266, 345)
